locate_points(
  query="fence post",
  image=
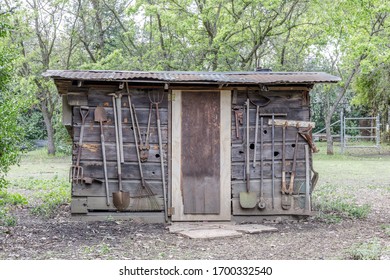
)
(378, 132)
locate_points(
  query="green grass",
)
(7, 201)
(38, 164)
(98, 250)
(371, 250)
(51, 195)
(386, 229)
(6, 219)
(46, 177)
(333, 204)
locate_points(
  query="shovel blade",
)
(121, 200)
(248, 199)
(100, 114)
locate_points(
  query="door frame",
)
(225, 158)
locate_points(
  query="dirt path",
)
(62, 238)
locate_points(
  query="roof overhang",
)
(184, 77)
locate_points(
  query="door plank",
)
(200, 158)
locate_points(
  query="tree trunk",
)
(340, 96)
(329, 138)
(47, 118)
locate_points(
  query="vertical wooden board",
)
(66, 112)
(200, 135)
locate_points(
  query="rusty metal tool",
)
(290, 188)
(238, 117)
(101, 116)
(262, 203)
(308, 181)
(306, 133)
(144, 146)
(156, 101)
(248, 199)
(119, 126)
(144, 191)
(120, 198)
(286, 199)
(284, 189)
(273, 160)
(76, 173)
(256, 132)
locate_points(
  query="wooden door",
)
(201, 155)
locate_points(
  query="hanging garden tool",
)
(248, 199)
(272, 123)
(238, 118)
(100, 117)
(120, 198)
(286, 198)
(261, 204)
(143, 146)
(156, 101)
(307, 135)
(76, 173)
(290, 189)
(308, 181)
(144, 190)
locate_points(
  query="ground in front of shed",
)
(365, 180)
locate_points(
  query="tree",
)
(36, 37)
(362, 29)
(10, 104)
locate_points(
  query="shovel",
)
(121, 199)
(261, 204)
(101, 116)
(286, 199)
(248, 199)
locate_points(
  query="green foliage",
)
(12, 198)
(370, 250)
(97, 250)
(10, 107)
(373, 90)
(386, 228)
(52, 194)
(6, 219)
(7, 201)
(333, 205)
(33, 125)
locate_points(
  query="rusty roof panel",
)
(196, 77)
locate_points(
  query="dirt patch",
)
(63, 238)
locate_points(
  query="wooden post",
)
(378, 132)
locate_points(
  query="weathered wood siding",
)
(91, 197)
(293, 103)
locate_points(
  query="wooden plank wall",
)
(295, 105)
(91, 197)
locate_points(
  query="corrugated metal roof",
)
(195, 77)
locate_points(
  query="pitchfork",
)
(76, 173)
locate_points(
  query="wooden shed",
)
(226, 145)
